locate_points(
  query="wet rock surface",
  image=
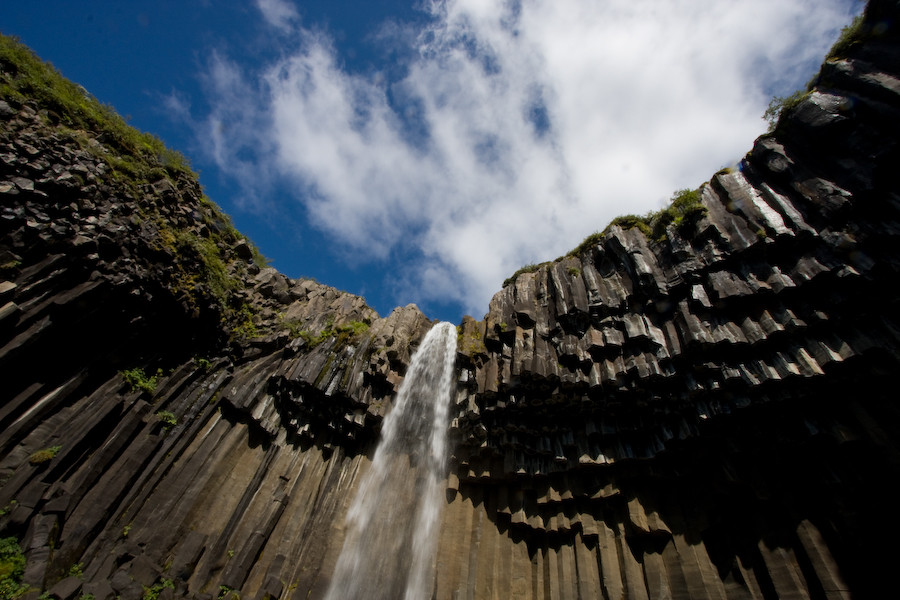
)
(707, 414)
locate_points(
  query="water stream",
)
(392, 525)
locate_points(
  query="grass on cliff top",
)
(28, 77)
(851, 35)
(854, 33)
(683, 211)
(135, 159)
(685, 207)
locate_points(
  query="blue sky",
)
(421, 151)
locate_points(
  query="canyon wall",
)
(703, 410)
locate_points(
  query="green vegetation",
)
(530, 268)
(11, 265)
(76, 570)
(12, 568)
(138, 380)
(630, 222)
(212, 254)
(71, 105)
(312, 340)
(228, 593)
(44, 455)
(8, 508)
(344, 333)
(588, 242)
(168, 419)
(684, 209)
(294, 328)
(153, 592)
(851, 35)
(779, 105)
(215, 272)
(244, 328)
(470, 344)
(126, 530)
(223, 228)
(353, 328)
(205, 264)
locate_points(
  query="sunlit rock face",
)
(707, 411)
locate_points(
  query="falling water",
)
(392, 523)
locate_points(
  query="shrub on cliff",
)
(851, 35)
(683, 209)
(12, 568)
(167, 418)
(779, 105)
(630, 222)
(139, 380)
(44, 455)
(529, 268)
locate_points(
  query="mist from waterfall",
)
(389, 548)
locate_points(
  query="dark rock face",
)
(710, 414)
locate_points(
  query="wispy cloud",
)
(516, 129)
(236, 132)
(280, 14)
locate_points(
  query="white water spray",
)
(392, 524)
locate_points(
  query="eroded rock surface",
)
(708, 414)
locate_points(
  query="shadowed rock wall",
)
(707, 414)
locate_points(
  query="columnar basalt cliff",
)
(705, 410)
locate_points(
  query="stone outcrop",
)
(706, 413)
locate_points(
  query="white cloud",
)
(177, 105)
(537, 123)
(236, 133)
(280, 14)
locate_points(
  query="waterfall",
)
(392, 524)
